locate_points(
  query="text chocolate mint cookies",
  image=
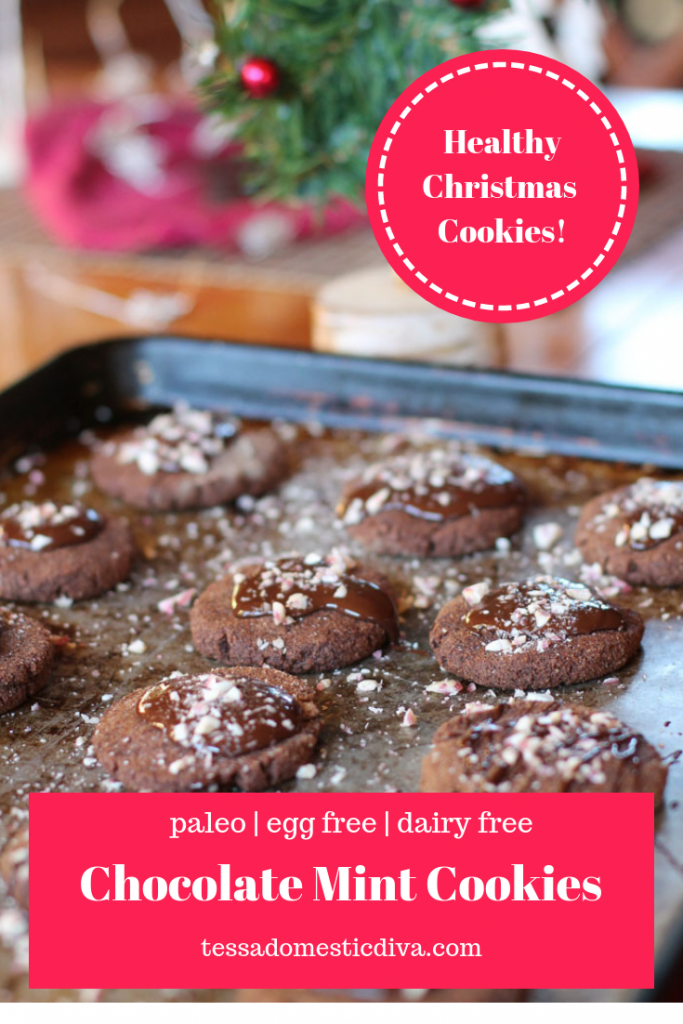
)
(244, 727)
(296, 614)
(545, 632)
(438, 501)
(51, 549)
(636, 532)
(189, 459)
(540, 746)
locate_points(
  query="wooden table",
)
(628, 330)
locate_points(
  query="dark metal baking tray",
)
(496, 407)
(562, 436)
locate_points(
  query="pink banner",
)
(341, 890)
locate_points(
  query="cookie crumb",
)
(546, 535)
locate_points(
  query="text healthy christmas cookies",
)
(502, 186)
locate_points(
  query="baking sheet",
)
(363, 747)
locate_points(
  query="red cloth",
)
(84, 205)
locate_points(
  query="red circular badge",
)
(502, 186)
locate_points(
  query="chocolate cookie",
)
(26, 656)
(636, 532)
(14, 867)
(244, 727)
(528, 636)
(526, 746)
(50, 550)
(440, 501)
(189, 459)
(298, 615)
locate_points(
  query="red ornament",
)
(259, 76)
(467, 3)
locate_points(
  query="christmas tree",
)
(307, 82)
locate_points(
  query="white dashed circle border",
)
(453, 76)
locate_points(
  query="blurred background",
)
(124, 126)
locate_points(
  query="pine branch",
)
(342, 64)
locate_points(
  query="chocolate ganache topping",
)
(537, 613)
(49, 525)
(556, 744)
(213, 714)
(290, 588)
(436, 484)
(649, 512)
(183, 441)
